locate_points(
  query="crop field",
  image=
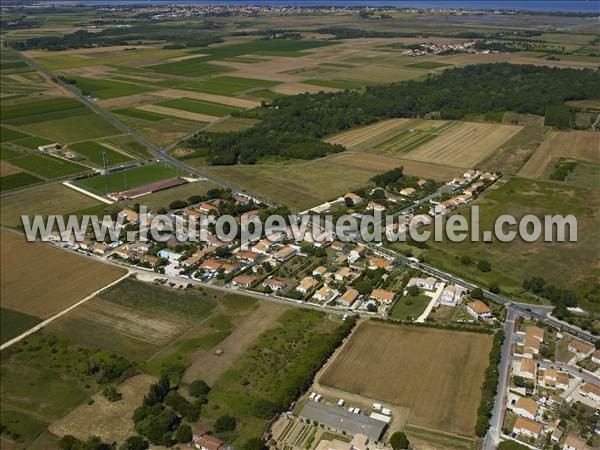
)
(268, 47)
(14, 323)
(39, 110)
(230, 85)
(93, 151)
(48, 166)
(180, 113)
(231, 124)
(8, 134)
(295, 88)
(585, 175)
(371, 135)
(161, 133)
(581, 145)
(79, 126)
(303, 185)
(428, 65)
(32, 142)
(465, 145)
(140, 114)
(29, 287)
(206, 97)
(44, 200)
(188, 67)
(198, 107)
(128, 179)
(426, 363)
(16, 180)
(103, 89)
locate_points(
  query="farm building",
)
(49, 148)
(342, 420)
(149, 188)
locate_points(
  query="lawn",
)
(230, 85)
(198, 107)
(16, 180)
(128, 179)
(93, 152)
(48, 166)
(104, 89)
(425, 363)
(409, 308)
(14, 323)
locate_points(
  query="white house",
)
(525, 407)
(528, 428)
(423, 283)
(479, 310)
(451, 295)
(324, 294)
(306, 285)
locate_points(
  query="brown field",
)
(581, 145)
(224, 100)
(209, 367)
(42, 280)
(178, 113)
(369, 136)
(44, 200)
(301, 88)
(465, 145)
(8, 169)
(109, 420)
(306, 184)
(436, 373)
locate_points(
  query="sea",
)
(569, 6)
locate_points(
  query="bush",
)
(225, 423)
(199, 388)
(134, 443)
(399, 441)
(484, 266)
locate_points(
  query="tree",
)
(477, 293)
(134, 443)
(254, 444)
(465, 260)
(225, 423)
(494, 287)
(111, 393)
(199, 388)
(399, 441)
(484, 265)
(413, 290)
(69, 442)
(183, 433)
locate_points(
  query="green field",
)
(14, 323)
(128, 179)
(33, 142)
(336, 84)
(8, 134)
(9, 153)
(16, 180)
(93, 152)
(230, 85)
(427, 65)
(193, 67)
(48, 166)
(79, 126)
(141, 114)
(199, 107)
(409, 307)
(585, 174)
(267, 94)
(104, 89)
(269, 47)
(39, 110)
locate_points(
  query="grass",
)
(33, 142)
(193, 67)
(427, 65)
(105, 89)
(267, 94)
(128, 179)
(269, 47)
(198, 107)
(20, 427)
(79, 126)
(408, 307)
(48, 166)
(33, 111)
(141, 114)
(14, 323)
(162, 199)
(230, 85)
(7, 154)
(585, 175)
(8, 134)
(93, 152)
(16, 180)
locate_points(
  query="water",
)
(584, 6)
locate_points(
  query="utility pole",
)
(105, 162)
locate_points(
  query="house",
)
(556, 435)
(535, 332)
(208, 208)
(324, 294)
(285, 253)
(130, 215)
(423, 283)
(531, 346)
(168, 254)
(100, 248)
(357, 251)
(527, 428)
(479, 310)
(247, 257)
(275, 284)
(422, 182)
(487, 176)
(408, 191)
(547, 378)
(210, 265)
(139, 247)
(342, 274)
(596, 357)
(123, 252)
(562, 381)
(192, 260)
(262, 246)
(353, 198)
(526, 407)
(149, 259)
(525, 368)
(580, 348)
(241, 199)
(590, 390)
(341, 259)
(574, 443)
(338, 246)
(319, 271)
(420, 219)
(375, 207)
(306, 285)
(207, 442)
(380, 263)
(243, 281)
(451, 295)
(469, 174)
(383, 296)
(229, 268)
(348, 298)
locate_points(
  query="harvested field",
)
(29, 286)
(8, 169)
(229, 101)
(301, 88)
(426, 364)
(465, 145)
(307, 184)
(111, 421)
(581, 145)
(371, 135)
(44, 200)
(178, 113)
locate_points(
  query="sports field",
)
(464, 145)
(29, 285)
(437, 374)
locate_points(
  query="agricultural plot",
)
(79, 126)
(465, 145)
(8, 134)
(141, 114)
(128, 179)
(13, 323)
(198, 107)
(581, 145)
(30, 288)
(335, 84)
(195, 67)
(17, 180)
(48, 166)
(32, 142)
(39, 110)
(94, 151)
(425, 362)
(427, 65)
(371, 135)
(206, 97)
(268, 47)
(230, 85)
(104, 89)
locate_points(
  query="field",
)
(93, 151)
(28, 286)
(162, 199)
(103, 89)
(371, 135)
(14, 323)
(44, 200)
(16, 180)
(230, 85)
(48, 166)
(198, 107)
(409, 308)
(464, 145)
(128, 179)
(303, 185)
(426, 364)
(581, 145)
